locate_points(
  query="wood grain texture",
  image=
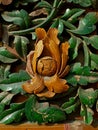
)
(76, 125)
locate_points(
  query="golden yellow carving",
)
(47, 65)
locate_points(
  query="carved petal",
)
(64, 56)
(35, 85)
(41, 33)
(65, 71)
(46, 66)
(29, 65)
(47, 94)
(46, 51)
(52, 34)
(38, 51)
(55, 84)
(54, 49)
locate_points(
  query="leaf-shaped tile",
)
(20, 18)
(87, 97)
(87, 114)
(21, 45)
(13, 117)
(6, 56)
(86, 24)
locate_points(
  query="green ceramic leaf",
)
(74, 44)
(94, 57)
(90, 18)
(74, 79)
(13, 87)
(3, 95)
(17, 106)
(86, 24)
(71, 105)
(58, 23)
(82, 80)
(88, 96)
(21, 45)
(87, 114)
(53, 114)
(86, 3)
(68, 24)
(13, 107)
(55, 23)
(77, 69)
(88, 79)
(86, 40)
(67, 14)
(75, 16)
(13, 117)
(5, 113)
(14, 83)
(60, 26)
(4, 72)
(44, 4)
(42, 112)
(31, 111)
(86, 54)
(2, 106)
(6, 56)
(37, 21)
(94, 61)
(71, 101)
(72, 13)
(7, 99)
(21, 76)
(83, 3)
(94, 41)
(20, 18)
(72, 108)
(94, 65)
(33, 36)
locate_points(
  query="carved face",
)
(47, 64)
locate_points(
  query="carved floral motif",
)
(47, 65)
